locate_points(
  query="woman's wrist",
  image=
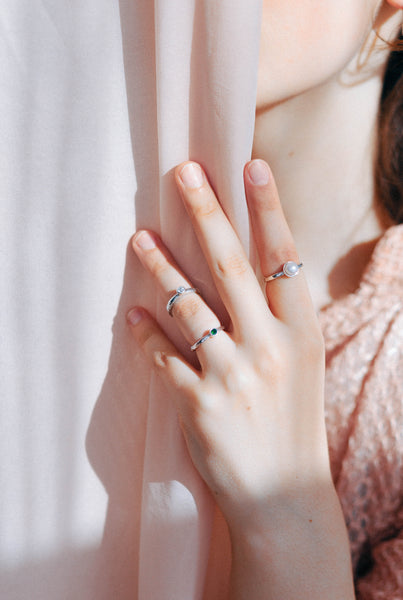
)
(301, 488)
(300, 502)
(299, 549)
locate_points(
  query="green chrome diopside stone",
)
(213, 331)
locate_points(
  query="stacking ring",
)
(180, 291)
(213, 332)
(289, 269)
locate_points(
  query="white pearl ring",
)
(289, 269)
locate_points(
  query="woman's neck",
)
(320, 146)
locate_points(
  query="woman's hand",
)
(253, 415)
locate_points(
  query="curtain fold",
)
(206, 73)
(99, 102)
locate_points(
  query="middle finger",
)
(232, 273)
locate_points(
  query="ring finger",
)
(194, 317)
(289, 301)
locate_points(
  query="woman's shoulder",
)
(363, 332)
(384, 270)
(375, 309)
(364, 363)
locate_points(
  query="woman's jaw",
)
(308, 43)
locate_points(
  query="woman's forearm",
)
(303, 554)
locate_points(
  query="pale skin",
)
(315, 127)
(253, 413)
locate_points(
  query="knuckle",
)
(145, 335)
(202, 206)
(262, 201)
(196, 399)
(187, 307)
(278, 256)
(158, 266)
(208, 405)
(263, 362)
(271, 202)
(205, 400)
(234, 265)
(159, 359)
(270, 366)
(238, 379)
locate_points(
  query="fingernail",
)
(144, 240)
(259, 172)
(192, 176)
(134, 316)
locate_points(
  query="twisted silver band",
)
(213, 332)
(181, 291)
(289, 269)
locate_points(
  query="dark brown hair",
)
(389, 164)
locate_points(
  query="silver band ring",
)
(206, 336)
(289, 269)
(180, 291)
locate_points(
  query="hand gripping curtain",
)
(191, 74)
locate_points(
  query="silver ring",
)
(289, 269)
(206, 336)
(179, 292)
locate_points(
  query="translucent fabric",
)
(99, 101)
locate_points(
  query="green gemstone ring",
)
(211, 333)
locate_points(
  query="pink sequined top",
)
(364, 409)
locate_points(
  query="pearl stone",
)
(290, 268)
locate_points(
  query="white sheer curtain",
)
(98, 102)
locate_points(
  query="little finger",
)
(162, 355)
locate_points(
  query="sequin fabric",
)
(364, 413)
